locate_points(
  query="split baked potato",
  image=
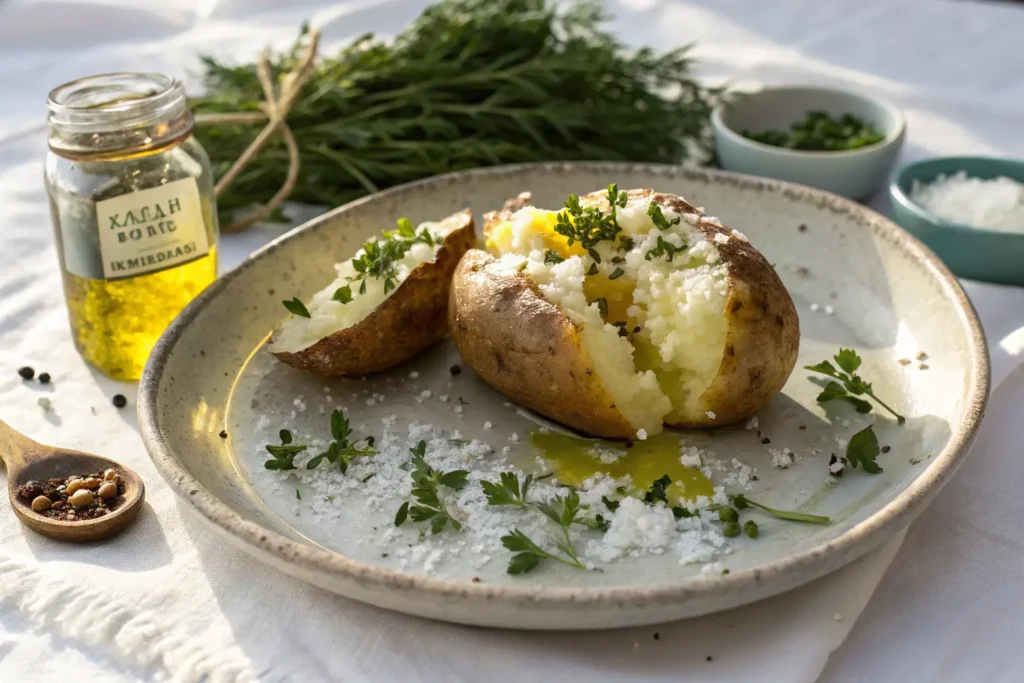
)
(387, 303)
(623, 312)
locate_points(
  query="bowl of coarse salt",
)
(969, 210)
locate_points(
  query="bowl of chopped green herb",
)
(837, 140)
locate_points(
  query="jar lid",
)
(138, 107)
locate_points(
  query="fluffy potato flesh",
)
(682, 321)
(378, 321)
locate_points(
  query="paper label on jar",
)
(149, 230)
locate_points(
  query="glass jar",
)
(133, 207)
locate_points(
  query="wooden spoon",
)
(27, 460)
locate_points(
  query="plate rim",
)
(278, 549)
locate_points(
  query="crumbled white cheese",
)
(829, 310)
(488, 425)
(711, 415)
(413, 374)
(815, 307)
(721, 238)
(641, 434)
(752, 423)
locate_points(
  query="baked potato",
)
(624, 312)
(387, 303)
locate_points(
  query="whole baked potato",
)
(623, 312)
(387, 303)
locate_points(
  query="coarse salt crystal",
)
(413, 374)
(815, 307)
(641, 434)
(751, 423)
(487, 425)
(690, 456)
(781, 459)
(711, 415)
(996, 203)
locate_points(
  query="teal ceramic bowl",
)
(856, 173)
(970, 252)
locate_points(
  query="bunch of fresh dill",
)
(469, 83)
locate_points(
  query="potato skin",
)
(763, 336)
(410, 320)
(527, 348)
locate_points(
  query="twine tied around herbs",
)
(274, 110)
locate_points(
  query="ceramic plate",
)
(858, 281)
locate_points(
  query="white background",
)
(168, 600)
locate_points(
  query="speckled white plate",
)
(857, 279)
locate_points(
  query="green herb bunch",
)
(469, 83)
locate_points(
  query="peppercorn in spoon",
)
(65, 494)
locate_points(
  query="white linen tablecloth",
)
(170, 601)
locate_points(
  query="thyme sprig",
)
(380, 257)
(284, 455)
(342, 451)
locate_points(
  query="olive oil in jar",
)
(132, 200)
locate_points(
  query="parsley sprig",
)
(850, 384)
(508, 491)
(342, 450)
(284, 455)
(563, 511)
(426, 482)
